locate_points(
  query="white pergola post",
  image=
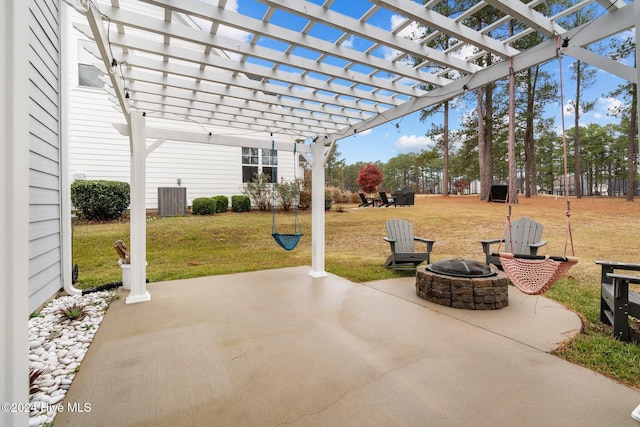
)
(14, 215)
(138, 224)
(317, 209)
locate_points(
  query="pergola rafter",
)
(528, 16)
(262, 28)
(370, 32)
(231, 46)
(418, 13)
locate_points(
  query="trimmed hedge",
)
(203, 206)
(240, 203)
(222, 203)
(100, 200)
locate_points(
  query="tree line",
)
(602, 159)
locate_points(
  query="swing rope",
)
(286, 241)
(569, 235)
(534, 275)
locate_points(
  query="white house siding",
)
(98, 151)
(95, 147)
(45, 270)
(204, 170)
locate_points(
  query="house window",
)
(88, 75)
(270, 163)
(258, 160)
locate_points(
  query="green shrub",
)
(222, 203)
(240, 203)
(100, 200)
(203, 206)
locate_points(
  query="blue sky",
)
(387, 141)
(408, 134)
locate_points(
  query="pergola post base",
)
(318, 274)
(134, 299)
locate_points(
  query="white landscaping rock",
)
(57, 345)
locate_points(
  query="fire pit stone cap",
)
(460, 267)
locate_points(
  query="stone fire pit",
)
(461, 283)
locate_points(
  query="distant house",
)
(559, 185)
(99, 151)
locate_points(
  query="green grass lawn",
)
(193, 246)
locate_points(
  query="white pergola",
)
(317, 71)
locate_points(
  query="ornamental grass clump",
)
(73, 312)
(34, 374)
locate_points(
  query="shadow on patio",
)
(277, 347)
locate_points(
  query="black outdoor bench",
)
(617, 302)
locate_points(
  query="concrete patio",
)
(277, 347)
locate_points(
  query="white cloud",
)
(390, 54)
(465, 52)
(348, 43)
(409, 32)
(603, 107)
(468, 115)
(232, 33)
(567, 109)
(413, 31)
(408, 143)
(610, 104)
